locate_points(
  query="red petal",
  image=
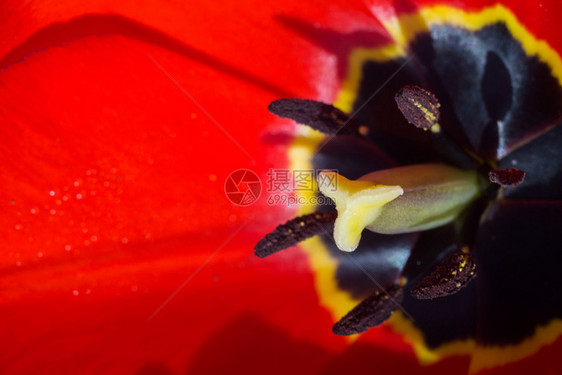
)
(245, 34)
(545, 362)
(113, 163)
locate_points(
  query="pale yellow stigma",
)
(358, 203)
(399, 200)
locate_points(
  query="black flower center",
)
(498, 111)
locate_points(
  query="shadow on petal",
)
(249, 345)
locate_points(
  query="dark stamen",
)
(371, 312)
(295, 231)
(455, 272)
(419, 106)
(507, 177)
(320, 116)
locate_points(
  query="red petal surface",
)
(120, 251)
(546, 362)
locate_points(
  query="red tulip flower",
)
(121, 124)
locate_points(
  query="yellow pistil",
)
(359, 203)
(399, 200)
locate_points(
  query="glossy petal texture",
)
(541, 157)
(482, 79)
(489, 89)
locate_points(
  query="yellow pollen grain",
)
(428, 114)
